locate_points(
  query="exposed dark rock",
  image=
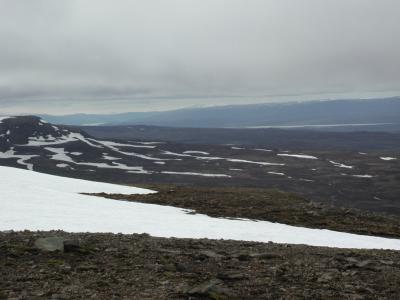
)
(71, 246)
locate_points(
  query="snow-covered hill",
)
(35, 201)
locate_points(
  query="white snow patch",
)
(298, 156)
(76, 153)
(36, 201)
(306, 180)
(237, 148)
(253, 162)
(339, 165)
(363, 176)
(177, 154)
(276, 173)
(59, 154)
(62, 165)
(266, 150)
(107, 157)
(196, 152)
(195, 174)
(388, 158)
(209, 158)
(148, 143)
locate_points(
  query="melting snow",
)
(253, 162)
(21, 158)
(62, 165)
(195, 174)
(259, 149)
(76, 153)
(176, 154)
(387, 158)
(50, 140)
(148, 143)
(111, 145)
(107, 157)
(235, 160)
(277, 173)
(363, 176)
(36, 201)
(298, 156)
(61, 155)
(339, 165)
(196, 152)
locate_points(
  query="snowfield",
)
(36, 201)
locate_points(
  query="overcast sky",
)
(70, 56)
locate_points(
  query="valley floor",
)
(116, 266)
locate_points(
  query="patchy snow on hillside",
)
(37, 201)
(21, 159)
(61, 155)
(111, 145)
(37, 141)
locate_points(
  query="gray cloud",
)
(98, 55)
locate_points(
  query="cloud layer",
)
(109, 56)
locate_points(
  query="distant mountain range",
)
(371, 114)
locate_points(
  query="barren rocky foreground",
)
(268, 205)
(109, 266)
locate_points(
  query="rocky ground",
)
(108, 266)
(269, 205)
